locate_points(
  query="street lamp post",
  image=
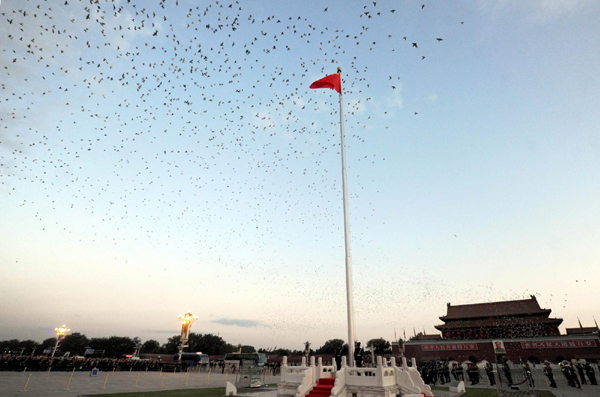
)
(186, 324)
(60, 334)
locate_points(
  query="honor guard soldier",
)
(460, 372)
(358, 355)
(528, 376)
(489, 370)
(549, 375)
(581, 374)
(590, 373)
(506, 370)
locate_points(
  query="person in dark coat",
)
(506, 370)
(590, 374)
(338, 358)
(460, 372)
(549, 375)
(446, 372)
(489, 371)
(570, 374)
(528, 376)
(581, 374)
(358, 355)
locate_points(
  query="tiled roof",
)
(495, 309)
(421, 336)
(584, 330)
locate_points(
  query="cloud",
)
(432, 97)
(238, 322)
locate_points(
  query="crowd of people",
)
(575, 374)
(440, 371)
(10, 362)
(46, 363)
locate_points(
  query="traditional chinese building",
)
(583, 331)
(525, 329)
(498, 320)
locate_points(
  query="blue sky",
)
(143, 175)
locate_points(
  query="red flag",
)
(404, 330)
(332, 81)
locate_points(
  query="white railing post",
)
(344, 362)
(283, 369)
(414, 362)
(379, 362)
(393, 362)
(304, 361)
(319, 369)
(404, 363)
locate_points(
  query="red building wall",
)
(483, 349)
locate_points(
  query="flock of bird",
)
(189, 126)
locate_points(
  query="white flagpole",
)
(347, 236)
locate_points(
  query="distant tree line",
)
(118, 346)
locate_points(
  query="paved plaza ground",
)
(54, 384)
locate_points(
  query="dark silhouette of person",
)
(358, 355)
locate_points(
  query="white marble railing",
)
(339, 388)
(308, 381)
(385, 377)
(324, 371)
(293, 374)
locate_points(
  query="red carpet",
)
(323, 388)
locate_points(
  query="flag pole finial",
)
(339, 70)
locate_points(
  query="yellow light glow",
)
(187, 318)
(62, 330)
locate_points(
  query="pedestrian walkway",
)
(42, 384)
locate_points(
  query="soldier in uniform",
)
(432, 374)
(447, 372)
(548, 373)
(590, 374)
(572, 375)
(439, 369)
(358, 355)
(506, 370)
(581, 374)
(454, 374)
(460, 373)
(489, 370)
(338, 358)
(566, 373)
(470, 373)
(528, 376)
